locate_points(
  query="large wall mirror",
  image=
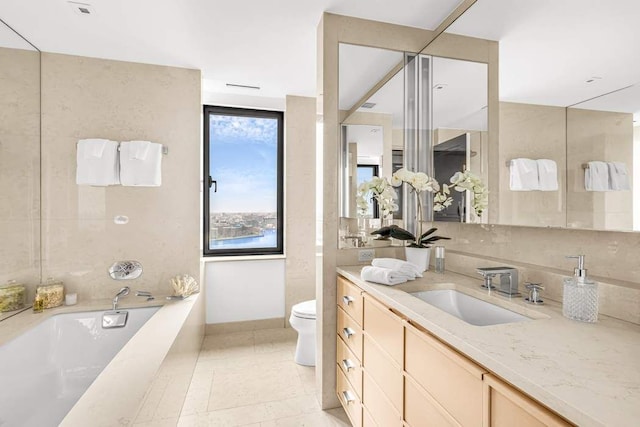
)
(569, 149)
(19, 160)
(426, 113)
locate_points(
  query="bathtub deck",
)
(240, 379)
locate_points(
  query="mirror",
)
(451, 96)
(19, 161)
(567, 95)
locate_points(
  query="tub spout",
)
(121, 293)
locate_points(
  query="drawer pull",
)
(346, 299)
(347, 364)
(348, 396)
(348, 332)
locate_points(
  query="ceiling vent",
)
(368, 105)
(84, 9)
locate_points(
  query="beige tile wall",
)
(86, 97)
(20, 166)
(300, 267)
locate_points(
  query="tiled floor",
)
(250, 379)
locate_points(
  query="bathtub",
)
(45, 370)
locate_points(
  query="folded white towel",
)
(97, 162)
(384, 276)
(547, 175)
(138, 149)
(145, 172)
(399, 265)
(523, 175)
(618, 176)
(596, 177)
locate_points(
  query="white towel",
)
(384, 276)
(138, 149)
(618, 176)
(547, 175)
(596, 177)
(138, 172)
(523, 175)
(97, 162)
(404, 267)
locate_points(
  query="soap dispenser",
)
(580, 296)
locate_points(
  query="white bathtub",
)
(45, 370)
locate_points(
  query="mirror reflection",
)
(19, 163)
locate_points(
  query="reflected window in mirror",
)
(366, 173)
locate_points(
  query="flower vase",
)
(418, 257)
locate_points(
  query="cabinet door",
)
(508, 407)
(385, 327)
(349, 298)
(421, 410)
(383, 370)
(350, 366)
(380, 408)
(349, 399)
(350, 332)
(450, 378)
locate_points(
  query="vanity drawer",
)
(350, 366)
(350, 332)
(509, 407)
(420, 410)
(450, 378)
(349, 298)
(383, 370)
(367, 419)
(385, 327)
(349, 399)
(379, 407)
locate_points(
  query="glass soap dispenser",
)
(580, 296)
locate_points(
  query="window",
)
(243, 157)
(366, 173)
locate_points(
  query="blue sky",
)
(243, 159)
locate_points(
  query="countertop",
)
(588, 373)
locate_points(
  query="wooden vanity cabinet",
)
(508, 407)
(391, 372)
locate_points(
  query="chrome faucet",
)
(357, 240)
(121, 293)
(508, 279)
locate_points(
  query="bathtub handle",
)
(348, 332)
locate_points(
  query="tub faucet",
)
(121, 293)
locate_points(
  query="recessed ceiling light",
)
(243, 86)
(593, 79)
(368, 105)
(440, 86)
(84, 9)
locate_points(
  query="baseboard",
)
(247, 325)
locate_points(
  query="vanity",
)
(403, 362)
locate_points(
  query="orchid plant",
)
(463, 181)
(382, 191)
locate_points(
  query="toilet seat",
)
(305, 310)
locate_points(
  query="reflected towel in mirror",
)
(547, 175)
(596, 176)
(523, 175)
(618, 176)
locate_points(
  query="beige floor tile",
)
(232, 417)
(315, 419)
(237, 344)
(292, 407)
(257, 384)
(307, 375)
(269, 340)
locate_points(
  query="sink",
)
(472, 310)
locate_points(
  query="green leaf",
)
(401, 233)
(427, 233)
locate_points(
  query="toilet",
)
(303, 320)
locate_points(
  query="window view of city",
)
(243, 159)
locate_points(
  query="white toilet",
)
(303, 320)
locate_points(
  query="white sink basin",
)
(472, 310)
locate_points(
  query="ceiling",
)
(548, 48)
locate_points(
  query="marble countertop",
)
(588, 373)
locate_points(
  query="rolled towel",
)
(547, 175)
(384, 276)
(397, 264)
(596, 177)
(618, 176)
(523, 175)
